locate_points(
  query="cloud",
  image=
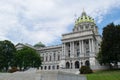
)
(31, 21)
(117, 21)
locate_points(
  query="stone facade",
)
(78, 48)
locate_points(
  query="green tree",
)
(7, 51)
(27, 57)
(110, 46)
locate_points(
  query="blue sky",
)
(32, 21)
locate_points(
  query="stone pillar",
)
(90, 45)
(80, 47)
(73, 49)
(93, 46)
(73, 62)
(64, 50)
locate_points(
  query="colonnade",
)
(81, 47)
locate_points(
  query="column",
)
(73, 49)
(64, 50)
(73, 64)
(80, 47)
(70, 49)
(93, 47)
(90, 45)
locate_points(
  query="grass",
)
(104, 75)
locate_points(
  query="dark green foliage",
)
(85, 70)
(110, 46)
(26, 58)
(7, 51)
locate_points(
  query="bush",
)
(85, 70)
(13, 69)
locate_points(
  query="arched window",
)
(77, 64)
(67, 65)
(87, 63)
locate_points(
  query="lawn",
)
(104, 75)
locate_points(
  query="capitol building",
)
(79, 47)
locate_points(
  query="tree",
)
(110, 46)
(7, 51)
(26, 58)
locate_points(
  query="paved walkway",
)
(41, 75)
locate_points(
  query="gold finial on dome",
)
(83, 13)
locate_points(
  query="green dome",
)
(84, 18)
(40, 44)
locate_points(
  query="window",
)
(45, 67)
(41, 67)
(49, 67)
(53, 67)
(57, 66)
(91, 26)
(46, 58)
(58, 57)
(68, 53)
(50, 58)
(54, 56)
(78, 44)
(78, 52)
(86, 27)
(81, 28)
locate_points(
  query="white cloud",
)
(32, 21)
(117, 21)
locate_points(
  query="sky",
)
(33, 21)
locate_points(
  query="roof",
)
(84, 18)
